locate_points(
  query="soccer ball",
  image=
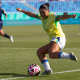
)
(34, 70)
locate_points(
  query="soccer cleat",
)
(73, 57)
(11, 39)
(47, 72)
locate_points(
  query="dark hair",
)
(65, 13)
(44, 6)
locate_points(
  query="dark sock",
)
(5, 35)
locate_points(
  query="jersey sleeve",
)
(3, 11)
(56, 16)
(39, 16)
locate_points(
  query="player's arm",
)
(4, 13)
(63, 17)
(31, 14)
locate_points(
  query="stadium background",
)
(58, 7)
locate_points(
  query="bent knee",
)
(2, 34)
(51, 56)
(38, 52)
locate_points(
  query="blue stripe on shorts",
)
(57, 39)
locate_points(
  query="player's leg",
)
(53, 49)
(44, 61)
(57, 44)
(55, 53)
(5, 35)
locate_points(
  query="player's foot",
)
(73, 57)
(11, 39)
(47, 72)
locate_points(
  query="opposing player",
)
(50, 23)
(1, 25)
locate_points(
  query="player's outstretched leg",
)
(10, 37)
(70, 56)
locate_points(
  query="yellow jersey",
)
(52, 26)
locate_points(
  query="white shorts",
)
(60, 40)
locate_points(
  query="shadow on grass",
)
(15, 74)
(18, 75)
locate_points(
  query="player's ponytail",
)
(44, 6)
(47, 4)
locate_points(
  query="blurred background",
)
(56, 6)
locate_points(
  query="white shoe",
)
(11, 39)
(47, 72)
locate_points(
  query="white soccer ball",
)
(34, 70)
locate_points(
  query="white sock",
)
(64, 55)
(46, 65)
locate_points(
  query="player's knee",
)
(1, 34)
(51, 56)
(38, 51)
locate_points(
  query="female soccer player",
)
(1, 25)
(50, 23)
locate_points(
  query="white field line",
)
(37, 48)
(53, 73)
(67, 71)
(12, 78)
(18, 48)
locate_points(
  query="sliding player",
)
(50, 23)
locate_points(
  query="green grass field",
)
(15, 58)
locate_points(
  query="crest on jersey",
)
(45, 22)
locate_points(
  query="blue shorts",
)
(1, 24)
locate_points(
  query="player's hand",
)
(74, 16)
(6, 15)
(18, 9)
